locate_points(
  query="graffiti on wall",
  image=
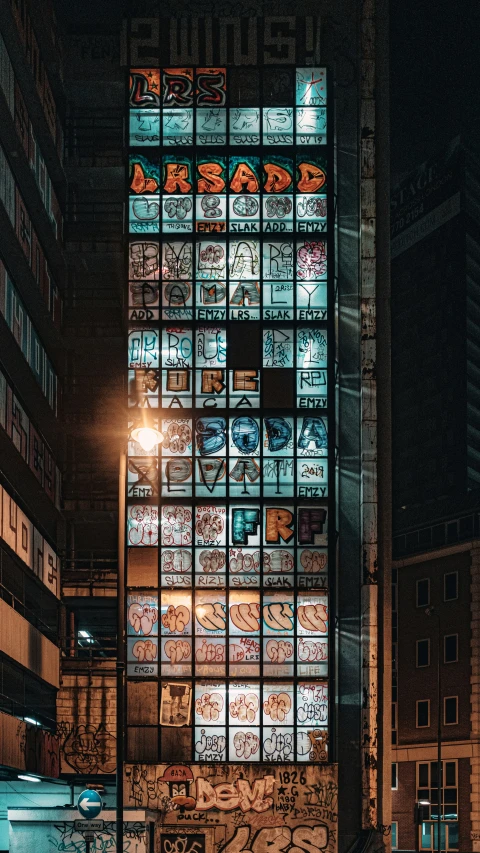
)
(65, 839)
(237, 809)
(87, 748)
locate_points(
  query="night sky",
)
(435, 78)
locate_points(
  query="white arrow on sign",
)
(87, 804)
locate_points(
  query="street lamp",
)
(430, 611)
(148, 436)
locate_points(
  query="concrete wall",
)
(27, 646)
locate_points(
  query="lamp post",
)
(148, 437)
(430, 611)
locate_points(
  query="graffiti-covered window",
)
(230, 519)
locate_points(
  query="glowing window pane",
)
(210, 613)
(142, 657)
(278, 704)
(144, 214)
(177, 214)
(145, 88)
(210, 744)
(210, 525)
(211, 299)
(143, 348)
(311, 173)
(144, 127)
(311, 300)
(176, 260)
(244, 388)
(144, 175)
(244, 174)
(278, 614)
(244, 742)
(142, 476)
(311, 87)
(177, 87)
(211, 388)
(211, 263)
(177, 126)
(278, 300)
(312, 704)
(244, 259)
(176, 477)
(311, 213)
(243, 567)
(244, 525)
(176, 656)
(177, 349)
(245, 126)
(278, 347)
(244, 213)
(211, 126)
(311, 260)
(312, 615)
(176, 386)
(144, 261)
(143, 389)
(278, 743)
(278, 477)
(210, 567)
(211, 346)
(210, 655)
(312, 437)
(244, 613)
(143, 300)
(277, 214)
(176, 610)
(142, 615)
(244, 704)
(311, 347)
(177, 561)
(278, 125)
(210, 436)
(311, 125)
(278, 525)
(211, 213)
(244, 300)
(312, 478)
(177, 300)
(176, 525)
(277, 259)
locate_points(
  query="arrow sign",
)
(89, 804)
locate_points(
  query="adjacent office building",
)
(436, 500)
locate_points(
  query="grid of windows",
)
(229, 216)
(427, 791)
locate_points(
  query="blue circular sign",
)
(89, 804)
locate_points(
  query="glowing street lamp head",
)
(147, 437)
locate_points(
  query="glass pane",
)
(144, 127)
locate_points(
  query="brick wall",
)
(86, 710)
